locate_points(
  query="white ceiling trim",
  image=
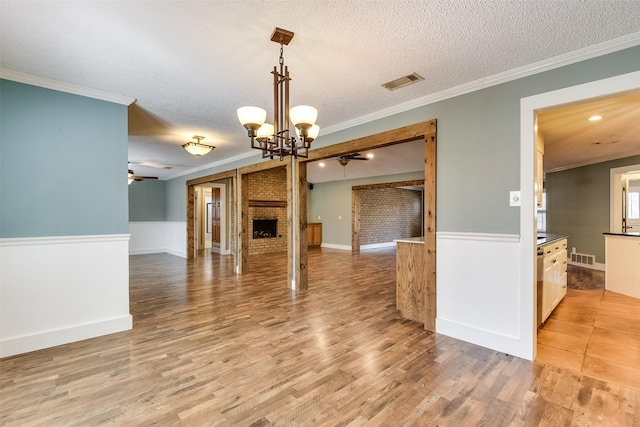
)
(589, 52)
(46, 83)
(214, 164)
(589, 162)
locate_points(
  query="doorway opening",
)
(211, 213)
(528, 108)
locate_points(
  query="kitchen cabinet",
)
(539, 163)
(554, 276)
(314, 234)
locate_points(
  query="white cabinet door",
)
(554, 276)
(548, 289)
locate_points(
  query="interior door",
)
(216, 212)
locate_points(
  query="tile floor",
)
(593, 331)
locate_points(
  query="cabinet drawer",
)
(554, 249)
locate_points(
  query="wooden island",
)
(411, 288)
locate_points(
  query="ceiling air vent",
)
(403, 81)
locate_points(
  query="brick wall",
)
(389, 213)
(268, 185)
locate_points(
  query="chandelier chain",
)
(277, 139)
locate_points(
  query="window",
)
(542, 212)
(634, 205)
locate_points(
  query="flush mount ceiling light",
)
(197, 148)
(276, 139)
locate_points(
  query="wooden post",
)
(243, 224)
(355, 220)
(430, 231)
(191, 224)
(297, 273)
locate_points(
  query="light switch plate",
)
(514, 198)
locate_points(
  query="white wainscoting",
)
(56, 290)
(479, 290)
(150, 237)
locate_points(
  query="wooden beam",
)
(355, 220)
(430, 233)
(268, 203)
(191, 222)
(413, 132)
(212, 178)
(243, 229)
(388, 185)
(302, 236)
(297, 221)
(258, 167)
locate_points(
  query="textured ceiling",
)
(191, 64)
(571, 140)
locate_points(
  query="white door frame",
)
(528, 106)
(615, 196)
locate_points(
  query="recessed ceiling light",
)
(595, 118)
(321, 164)
(370, 156)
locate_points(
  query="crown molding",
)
(222, 162)
(46, 83)
(589, 52)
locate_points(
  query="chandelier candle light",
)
(197, 148)
(275, 139)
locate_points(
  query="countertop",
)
(418, 240)
(628, 234)
(546, 238)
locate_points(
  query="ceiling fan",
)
(133, 177)
(346, 158)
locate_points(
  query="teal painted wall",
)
(331, 201)
(578, 205)
(76, 148)
(478, 157)
(147, 201)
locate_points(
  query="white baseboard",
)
(334, 246)
(495, 341)
(147, 251)
(25, 344)
(181, 254)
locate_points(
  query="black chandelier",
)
(275, 140)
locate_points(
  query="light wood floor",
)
(593, 331)
(212, 348)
